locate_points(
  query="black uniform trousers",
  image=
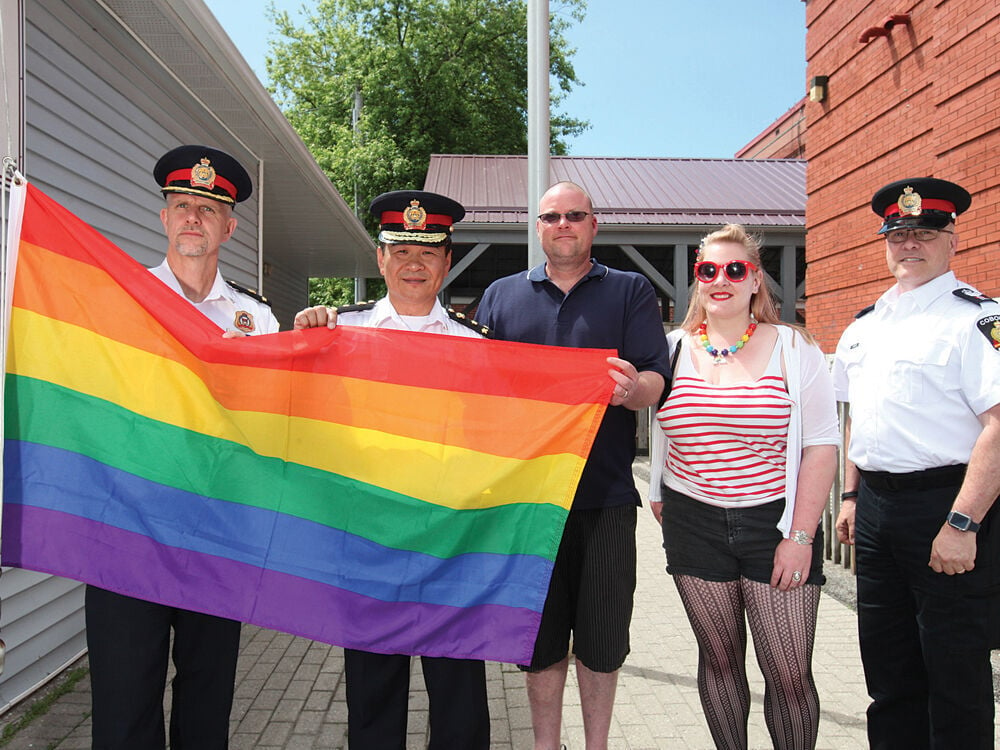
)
(378, 686)
(925, 636)
(129, 640)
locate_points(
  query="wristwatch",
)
(962, 522)
(800, 537)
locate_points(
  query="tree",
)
(340, 291)
(433, 76)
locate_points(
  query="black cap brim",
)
(927, 220)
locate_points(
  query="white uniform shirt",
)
(916, 371)
(384, 315)
(227, 308)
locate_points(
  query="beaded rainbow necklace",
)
(720, 355)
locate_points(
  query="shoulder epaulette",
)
(971, 295)
(249, 292)
(865, 311)
(468, 322)
(356, 307)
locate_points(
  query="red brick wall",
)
(783, 139)
(923, 101)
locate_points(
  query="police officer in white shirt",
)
(201, 185)
(129, 639)
(414, 255)
(920, 370)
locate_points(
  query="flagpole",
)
(539, 136)
(15, 187)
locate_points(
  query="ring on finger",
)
(797, 576)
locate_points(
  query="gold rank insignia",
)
(909, 202)
(203, 174)
(468, 322)
(414, 217)
(243, 321)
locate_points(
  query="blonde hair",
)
(762, 305)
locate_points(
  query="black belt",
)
(927, 479)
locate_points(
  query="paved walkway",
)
(290, 691)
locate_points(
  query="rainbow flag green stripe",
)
(116, 438)
(381, 490)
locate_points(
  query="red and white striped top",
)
(726, 443)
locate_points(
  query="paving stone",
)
(290, 693)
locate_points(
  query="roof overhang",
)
(304, 222)
(633, 198)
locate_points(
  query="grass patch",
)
(41, 706)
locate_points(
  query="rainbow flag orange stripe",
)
(380, 490)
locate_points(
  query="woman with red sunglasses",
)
(741, 470)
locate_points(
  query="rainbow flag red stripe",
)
(380, 490)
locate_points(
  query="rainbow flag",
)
(381, 490)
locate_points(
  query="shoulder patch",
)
(990, 328)
(249, 292)
(356, 307)
(971, 295)
(468, 322)
(865, 311)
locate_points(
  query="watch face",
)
(960, 521)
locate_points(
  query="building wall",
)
(921, 101)
(94, 130)
(785, 138)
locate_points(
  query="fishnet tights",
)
(783, 624)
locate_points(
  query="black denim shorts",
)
(724, 544)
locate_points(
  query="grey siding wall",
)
(42, 626)
(282, 288)
(94, 130)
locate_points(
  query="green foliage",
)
(340, 291)
(434, 76)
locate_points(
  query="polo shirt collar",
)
(597, 271)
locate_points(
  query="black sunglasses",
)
(735, 270)
(553, 218)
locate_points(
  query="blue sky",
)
(662, 78)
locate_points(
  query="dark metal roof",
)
(638, 191)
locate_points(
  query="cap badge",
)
(909, 202)
(203, 174)
(414, 217)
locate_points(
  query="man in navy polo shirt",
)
(571, 300)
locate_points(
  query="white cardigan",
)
(813, 419)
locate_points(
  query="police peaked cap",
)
(919, 202)
(204, 171)
(415, 217)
